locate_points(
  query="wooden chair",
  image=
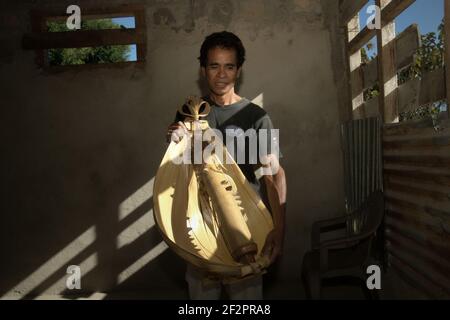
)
(346, 256)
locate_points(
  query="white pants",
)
(202, 288)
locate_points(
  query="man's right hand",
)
(176, 132)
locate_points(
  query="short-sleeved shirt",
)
(243, 115)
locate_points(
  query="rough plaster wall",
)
(339, 61)
(77, 145)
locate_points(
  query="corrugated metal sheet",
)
(416, 161)
(361, 141)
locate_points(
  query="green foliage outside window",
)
(103, 54)
(429, 57)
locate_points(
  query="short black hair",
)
(226, 40)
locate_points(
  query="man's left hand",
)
(273, 246)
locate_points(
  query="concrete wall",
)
(80, 148)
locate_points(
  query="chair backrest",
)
(372, 212)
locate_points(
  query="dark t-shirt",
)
(242, 115)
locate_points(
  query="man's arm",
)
(276, 192)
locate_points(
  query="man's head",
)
(224, 40)
(221, 57)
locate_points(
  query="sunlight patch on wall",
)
(85, 267)
(134, 201)
(58, 261)
(259, 100)
(142, 262)
(136, 229)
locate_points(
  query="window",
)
(106, 36)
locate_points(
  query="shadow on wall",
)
(121, 251)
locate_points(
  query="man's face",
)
(221, 71)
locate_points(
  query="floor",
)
(393, 288)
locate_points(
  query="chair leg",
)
(369, 294)
(312, 286)
(306, 285)
(316, 289)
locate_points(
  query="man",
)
(221, 58)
